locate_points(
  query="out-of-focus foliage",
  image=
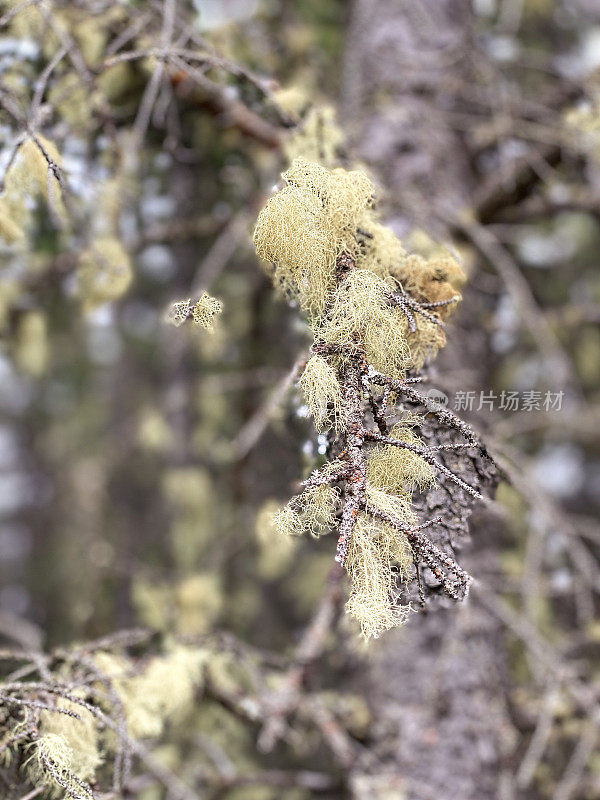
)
(85, 715)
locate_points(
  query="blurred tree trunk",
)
(437, 684)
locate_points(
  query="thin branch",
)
(253, 430)
(524, 301)
(425, 454)
(308, 650)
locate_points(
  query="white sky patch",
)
(559, 469)
(216, 13)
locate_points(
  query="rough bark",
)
(436, 686)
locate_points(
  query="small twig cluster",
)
(350, 471)
(377, 315)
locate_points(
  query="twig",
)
(539, 740)
(309, 649)
(253, 430)
(578, 761)
(524, 301)
(220, 253)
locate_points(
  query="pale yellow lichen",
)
(397, 470)
(420, 242)
(306, 225)
(361, 300)
(432, 280)
(80, 736)
(323, 393)
(153, 431)
(72, 100)
(288, 522)
(178, 312)
(276, 553)
(10, 227)
(116, 80)
(361, 310)
(51, 764)
(584, 120)
(380, 249)
(205, 311)
(31, 343)
(27, 22)
(153, 603)
(104, 272)
(344, 195)
(424, 343)
(375, 549)
(313, 512)
(319, 504)
(163, 691)
(32, 174)
(294, 100)
(190, 607)
(398, 505)
(290, 234)
(348, 272)
(429, 274)
(318, 138)
(188, 487)
(199, 600)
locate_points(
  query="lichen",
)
(179, 312)
(318, 137)
(397, 470)
(31, 175)
(361, 307)
(104, 272)
(303, 227)
(323, 393)
(51, 764)
(80, 736)
(374, 551)
(205, 311)
(369, 302)
(163, 691)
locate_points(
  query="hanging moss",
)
(80, 735)
(104, 272)
(162, 691)
(51, 764)
(318, 137)
(11, 221)
(361, 308)
(32, 175)
(288, 522)
(31, 344)
(374, 550)
(396, 470)
(304, 226)
(373, 309)
(323, 393)
(205, 311)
